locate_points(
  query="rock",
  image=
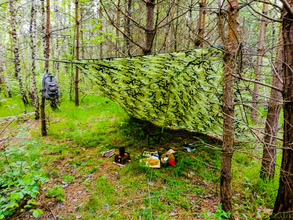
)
(60, 206)
(192, 202)
(173, 214)
(65, 186)
(208, 196)
(139, 192)
(106, 206)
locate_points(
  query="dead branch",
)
(122, 32)
(48, 208)
(130, 18)
(267, 17)
(206, 163)
(132, 200)
(287, 7)
(7, 126)
(258, 82)
(175, 17)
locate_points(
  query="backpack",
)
(50, 88)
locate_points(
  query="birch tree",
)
(35, 97)
(16, 60)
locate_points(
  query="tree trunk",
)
(101, 29)
(43, 26)
(57, 64)
(43, 118)
(35, 98)
(259, 61)
(16, 53)
(175, 13)
(284, 202)
(199, 40)
(127, 26)
(47, 35)
(117, 32)
(228, 105)
(46, 55)
(77, 53)
(5, 77)
(150, 32)
(271, 126)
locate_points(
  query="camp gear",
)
(150, 159)
(123, 157)
(179, 88)
(50, 88)
(108, 153)
(188, 147)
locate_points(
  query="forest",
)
(146, 109)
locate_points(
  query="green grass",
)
(77, 135)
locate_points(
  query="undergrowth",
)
(77, 135)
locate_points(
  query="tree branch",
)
(176, 17)
(130, 18)
(267, 17)
(3, 3)
(287, 7)
(258, 82)
(113, 23)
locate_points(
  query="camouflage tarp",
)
(181, 88)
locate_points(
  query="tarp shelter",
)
(181, 89)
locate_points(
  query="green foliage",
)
(19, 182)
(220, 214)
(36, 212)
(56, 192)
(67, 178)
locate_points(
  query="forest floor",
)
(81, 184)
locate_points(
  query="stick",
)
(10, 190)
(130, 202)
(50, 211)
(207, 164)
(7, 126)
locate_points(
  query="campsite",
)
(146, 109)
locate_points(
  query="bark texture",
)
(149, 28)
(77, 53)
(284, 201)
(228, 105)
(271, 126)
(46, 55)
(16, 53)
(259, 61)
(2, 69)
(201, 25)
(35, 98)
(127, 26)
